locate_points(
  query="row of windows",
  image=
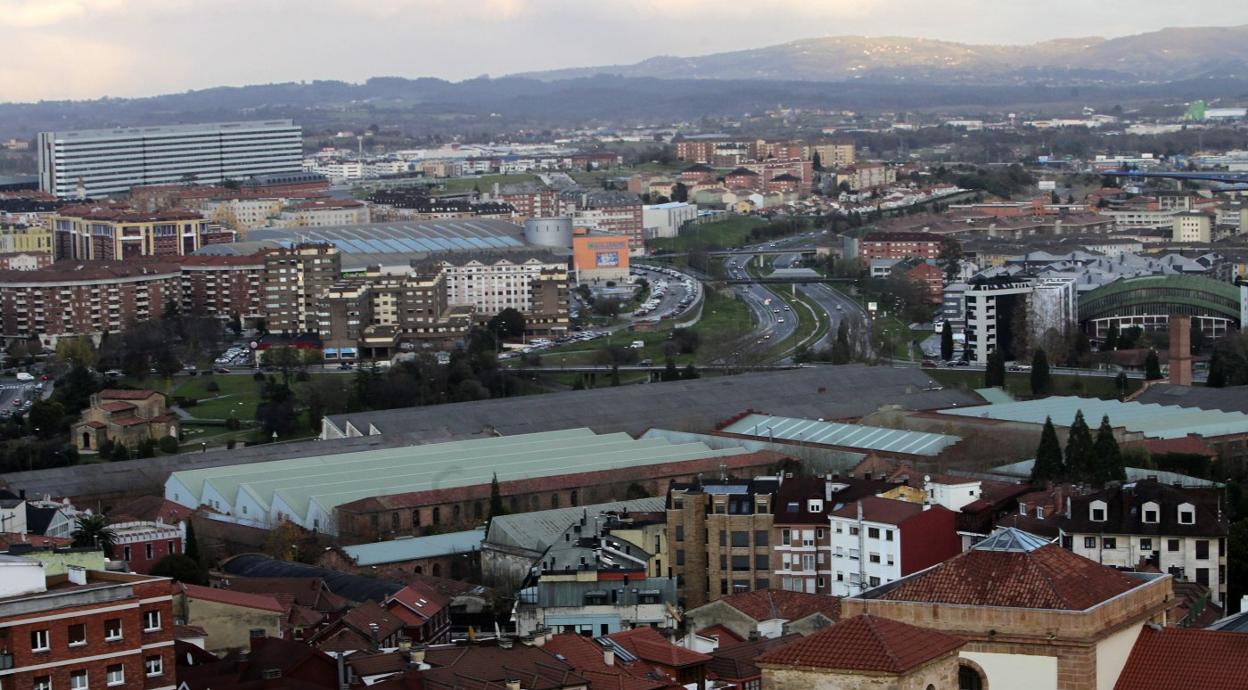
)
(114, 675)
(41, 640)
(1146, 544)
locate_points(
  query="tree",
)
(1111, 338)
(192, 544)
(670, 372)
(46, 418)
(690, 372)
(1079, 461)
(946, 342)
(1217, 370)
(284, 359)
(92, 531)
(1197, 336)
(1106, 456)
(1152, 366)
(276, 411)
(1041, 381)
(816, 162)
(168, 444)
(994, 373)
(119, 453)
(1121, 382)
(842, 353)
(77, 352)
(1048, 466)
(496, 499)
(181, 568)
(950, 258)
(236, 324)
(508, 323)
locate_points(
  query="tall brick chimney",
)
(1181, 350)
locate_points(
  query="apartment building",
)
(223, 286)
(77, 298)
(1181, 531)
(866, 176)
(85, 233)
(142, 543)
(25, 239)
(990, 308)
(537, 203)
(295, 279)
(99, 162)
(240, 213)
(835, 155)
(322, 213)
(1192, 226)
(719, 534)
(381, 312)
(899, 245)
(593, 581)
(784, 174)
(876, 540)
(666, 220)
(84, 629)
(492, 282)
(615, 213)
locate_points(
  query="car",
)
(344, 366)
(221, 370)
(779, 320)
(23, 376)
(787, 309)
(927, 362)
(963, 363)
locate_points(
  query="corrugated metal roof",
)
(412, 548)
(1151, 420)
(536, 531)
(846, 435)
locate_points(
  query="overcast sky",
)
(90, 48)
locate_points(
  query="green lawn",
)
(1019, 384)
(484, 182)
(892, 338)
(730, 232)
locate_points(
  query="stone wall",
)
(940, 673)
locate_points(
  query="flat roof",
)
(1151, 420)
(373, 243)
(298, 485)
(155, 130)
(836, 434)
(411, 548)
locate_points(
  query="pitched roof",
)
(417, 598)
(586, 656)
(126, 394)
(150, 508)
(725, 636)
(737, 661)
(866, 643)
(262, 602)
(116, 406)
(889, 511)
(771, 604)
(649, 644)
(1046, 577)
(1124, 511)
(1165, 658)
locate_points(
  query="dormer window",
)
(814, 506)
(1151, 513)
(1187, 514)
(1039, 513)
(1022, 509)
(1097, 511)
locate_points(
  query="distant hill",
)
(1166, 55)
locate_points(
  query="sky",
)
(76, 49)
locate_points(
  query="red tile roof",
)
(116, 406)
(865, 643)
(1168, 658)
(769, 604)
(649, 644)
(1187, 445)
(417, 598)
(8, 539)
(586, 656)
(263, 602)
(151, 508)
(726, 637)
(1048, 577)
(126, 394)
(889, 511)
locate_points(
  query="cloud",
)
(35, 13)
(40, 64)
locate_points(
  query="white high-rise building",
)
(100, 162)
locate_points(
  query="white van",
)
(638, 344)
(23, 376)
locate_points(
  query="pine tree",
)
(1079, 451)
(496, 499)
(1048, 466)
(192, 544)
(994, 374)
(1217, 370)
(1111, 338)
(1152, 366)
(1041, 381)
(946, 342)
(1106, 456)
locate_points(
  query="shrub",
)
(146, 448)
(168, 444)
(213, 387)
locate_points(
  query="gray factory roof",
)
(831, 392)
(1151, 420)
(412, 548)
(846, 435)
(307, 489)
(400, 241)
(538, 530)
(1229, 399)
(355, 588)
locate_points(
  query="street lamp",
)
(275, 435)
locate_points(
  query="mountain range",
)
(1165, 55)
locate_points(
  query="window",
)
(77, 634)
(39, 641)
(785, 537)
(873, 532)
(761, 538)
(1172, 545)
(680, 532)
(554, 500)
(1146, 545)
(888, 535)
(116, 675)
(112, 629)
(819, 533)
(762, 562)
(125, 552)
(78, 680)
(1150, 516)
(394, 521)
(42, 683)
(740, 562)
(416, 517)
(1202, 576)
(723, 538)
(1187, 516)
(151, 620)
(873, 557)
(680, 556)
(874, 581)
(1089, 542)
(740, 539)
(1098, 515)
(1109, 542)
(437, 516)
(147, 551)
(1202, 549)
(153, 666)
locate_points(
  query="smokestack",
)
(77, 575)
(608, 657)
(417, 655)
(255, 638)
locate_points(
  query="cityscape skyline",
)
(270, 41)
